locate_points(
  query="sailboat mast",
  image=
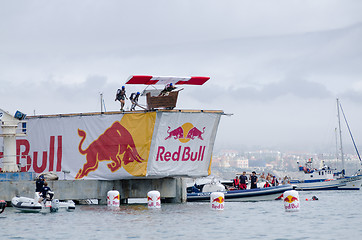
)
(340, 137)
(336, 136)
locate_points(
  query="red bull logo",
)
(185, 133)
(150, 199)
(290, 199)
(291, 203)
(117, 145)
(217, 203)
(218, 200)
(113, 200)
(154, 203)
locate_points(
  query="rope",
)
(350, 133)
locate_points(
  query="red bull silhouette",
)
(176, 133)
(116, 144)
(218, 200)
(195, 132)
(150, 199)
(290, 199)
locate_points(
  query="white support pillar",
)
(9, 124)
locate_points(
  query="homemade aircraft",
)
(154, 97)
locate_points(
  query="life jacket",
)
(266, 185)
(236, 182)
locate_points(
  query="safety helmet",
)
(171, 84)
(122, 87)
(138, 93)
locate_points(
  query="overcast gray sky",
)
(277, 65)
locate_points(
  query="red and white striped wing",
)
(163, 80)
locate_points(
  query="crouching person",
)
(46, 193)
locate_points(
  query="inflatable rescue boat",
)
(2, 206)
(25, 204)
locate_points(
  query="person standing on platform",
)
(134, 100)
(253, 180)
(121, 96)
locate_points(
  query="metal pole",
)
(340, 137)
(101, 94)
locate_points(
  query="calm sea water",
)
(336, 215)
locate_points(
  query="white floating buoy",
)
(113, 198)
(291, 201)
(154, 199)
(217, 200)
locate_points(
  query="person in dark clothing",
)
(243, 180)
(253, 180)
(168, 88)
(39, 184)
(195, 188)
(134, 99)
(44, 193)
(121, 96)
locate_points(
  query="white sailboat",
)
(327, 178)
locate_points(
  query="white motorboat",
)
(327, 178)
(25, 204)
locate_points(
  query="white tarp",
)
(182, 144)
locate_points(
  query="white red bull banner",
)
(119, 146)
(183, 144)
